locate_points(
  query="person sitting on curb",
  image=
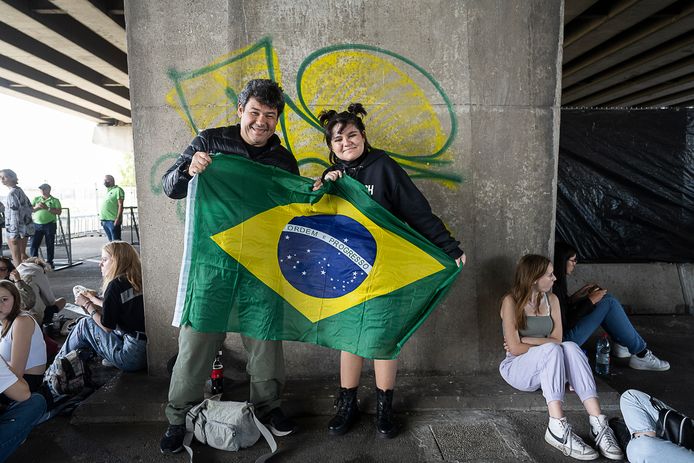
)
(33, 271)
(643, 418)
(537, 358)
(591, 307)
(21, 338)
(115, 328)
(21, 415)
(26, 294)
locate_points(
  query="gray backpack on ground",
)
(67, 375)
(225, 425)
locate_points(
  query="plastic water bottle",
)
(602, 355)
(217, 375)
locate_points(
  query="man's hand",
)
(199, 163)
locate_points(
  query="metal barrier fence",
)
(89, 225)
(70, 227)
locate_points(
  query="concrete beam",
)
(653, 93)
(95, 19)
(675, 21)
(573, 8)
(652, 59)
(25, 75)
(24, 49)
(33, 96)
(69, 37)
(672, 99)
(648, 80)
(590, 30)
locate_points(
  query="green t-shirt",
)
(44, 216)
(109, 208)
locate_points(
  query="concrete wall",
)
(477, 81)
(656, 288)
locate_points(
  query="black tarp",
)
(626, 184)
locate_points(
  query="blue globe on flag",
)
(325, 256)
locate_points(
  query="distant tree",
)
(127, 170)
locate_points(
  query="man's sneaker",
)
(606, 440)
(172, 442)
(619, 351)
(648, 362)
(570, 444)
(279, 424)
(106, 363)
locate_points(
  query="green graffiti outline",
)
(355, 46)
(304, 113)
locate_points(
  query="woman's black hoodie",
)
(392, 188)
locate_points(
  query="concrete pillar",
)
(476, 82)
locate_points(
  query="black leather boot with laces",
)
(385, 424)
(347, 411)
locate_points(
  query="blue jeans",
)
(640, 416)
(17, 421)
(609, 314)
(40, 230)
(112, 230)
(121, 349)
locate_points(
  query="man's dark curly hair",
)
(265, 91)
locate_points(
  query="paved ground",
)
(445, 419)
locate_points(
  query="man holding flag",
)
(260, 104)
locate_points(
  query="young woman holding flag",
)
(392, 188)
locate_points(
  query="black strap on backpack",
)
(673, 425)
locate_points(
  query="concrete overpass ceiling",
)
(67, 53)
(72, 54)
(628, 53)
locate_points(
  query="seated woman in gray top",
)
(536, 358)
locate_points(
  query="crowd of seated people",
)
(111, 328)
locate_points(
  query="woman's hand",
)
(596, 295)
(460, 261)
(82, 300)
(199, 163)
(15, 276)
(333, 175)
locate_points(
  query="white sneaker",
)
(606, 440)
(570, 444)
(648, 362)
(619, 351)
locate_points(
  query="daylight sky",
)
(47, 145)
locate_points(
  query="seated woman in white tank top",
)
(21, 338)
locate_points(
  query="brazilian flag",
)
(267, 257)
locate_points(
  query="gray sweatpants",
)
(196, 352)
(549, 367)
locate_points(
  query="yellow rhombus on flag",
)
(268, 257)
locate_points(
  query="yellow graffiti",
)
(409, 114)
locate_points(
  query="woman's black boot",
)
(347, 411)
(385, 424)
